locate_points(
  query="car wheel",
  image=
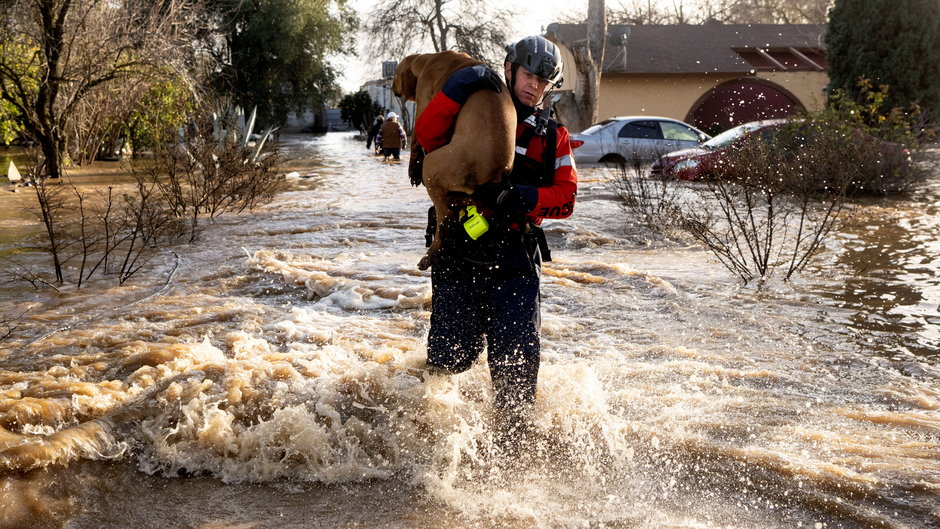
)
(613, 160)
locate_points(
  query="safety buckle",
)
(476, 224)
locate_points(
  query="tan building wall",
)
(808, 87)
(673, 96)
(669, 96)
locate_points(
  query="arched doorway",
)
(740, 101)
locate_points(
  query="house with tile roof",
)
(713, 76)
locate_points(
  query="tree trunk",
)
(597, 40)
(579, 110)
(52, 156)
(441, 26)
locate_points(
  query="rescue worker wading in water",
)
(488, 288)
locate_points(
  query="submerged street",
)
(269, 376)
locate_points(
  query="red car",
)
(693, 164)
(690, 164)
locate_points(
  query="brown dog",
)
(481, 149)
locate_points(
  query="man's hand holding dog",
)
(464, 82)
(510, 200)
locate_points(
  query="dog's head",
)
(405, 84)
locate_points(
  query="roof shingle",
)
(690, 48)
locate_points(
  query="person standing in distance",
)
(373, 132)
(391, 136)
(486, 290)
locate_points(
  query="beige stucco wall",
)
(647, 95)
(808, 87)
(673, 96)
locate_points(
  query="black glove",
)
(471, 79)
(506, 198)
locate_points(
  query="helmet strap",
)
(511, 83)
(547, 91)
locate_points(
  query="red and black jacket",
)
(551, 184)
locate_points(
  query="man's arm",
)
(435, 126)
(557, 200)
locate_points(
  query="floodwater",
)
(269, 376)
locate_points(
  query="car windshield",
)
(597, 126)
(729, 136)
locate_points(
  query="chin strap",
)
(545, 95)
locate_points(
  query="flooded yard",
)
(269, 375)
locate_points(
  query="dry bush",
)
(215, 169)
(9, 325)
(105, 231)
(654, 201)
(767, 204)
(822, 157)
(771, 202)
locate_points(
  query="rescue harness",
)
(539, 175)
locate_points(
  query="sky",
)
(531, 19)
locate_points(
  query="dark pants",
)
(394, 153)
(471, 303)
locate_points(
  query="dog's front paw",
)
(416, 166)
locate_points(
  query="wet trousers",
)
(475, 305)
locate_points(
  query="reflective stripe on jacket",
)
(556, 191)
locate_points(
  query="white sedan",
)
(633, 139)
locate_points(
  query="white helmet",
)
(391, 115)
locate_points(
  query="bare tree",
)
(775, 11)
(99, 119)
(640, 12)
(55, 55)
(398, 28)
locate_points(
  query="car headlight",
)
(685, 165)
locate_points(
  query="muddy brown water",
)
(268, 376)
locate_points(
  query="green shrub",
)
(867, 110)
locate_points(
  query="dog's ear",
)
(405, 83)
